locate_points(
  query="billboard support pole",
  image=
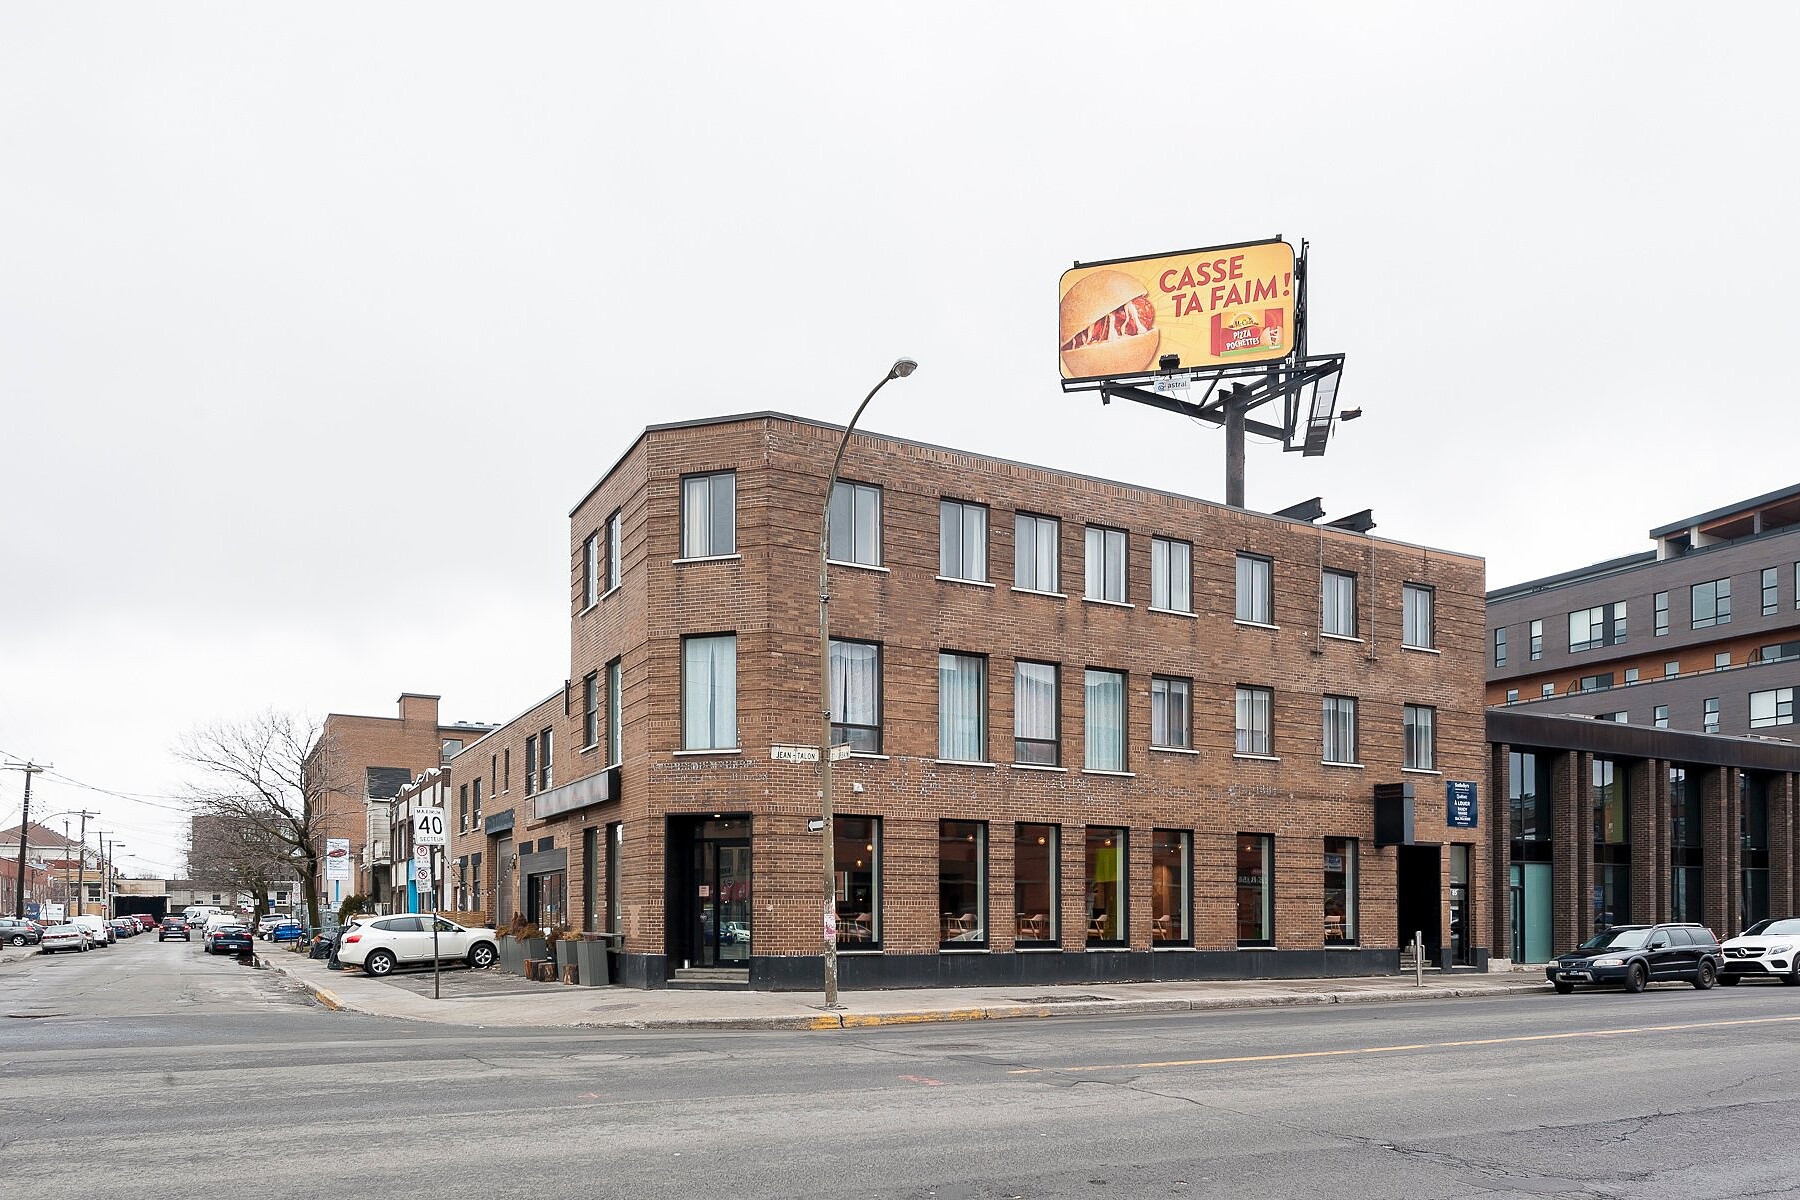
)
(1234, 447)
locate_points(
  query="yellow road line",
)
(1496, 1041)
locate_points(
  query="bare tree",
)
(237, 855)
(275, 774)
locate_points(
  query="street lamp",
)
(900, 370)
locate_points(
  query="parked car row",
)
(1636, 956)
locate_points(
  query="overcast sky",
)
(294, 302)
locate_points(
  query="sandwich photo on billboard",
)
(1108, 326)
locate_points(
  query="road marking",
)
(1497, 1041)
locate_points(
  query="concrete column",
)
(1639, 781)
(1717, 835)
(1572, 854)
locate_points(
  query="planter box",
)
(592, 963)
(515, 951)
(567, 960)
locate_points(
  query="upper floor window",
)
(1500, 647)
(1768, 591)
(1774, 707)
(1105, 576)
(450, 749)
(1421, 737)
(1255, 717)
(709, 692)
(1105, 709)
(1171, 709)
(962, 707)
(1035, 553)
(1340, 729)
(614, 563)
(1537, 640)
(1660, 610)
(1171, 568)
(1419, 617)
(615, 716)
(962, 541)
(1603, 625)
(545, 775)
(590, 709)
(856, 524)
(590, 570)
(1659, 716)
(1709, 717)
(1711, 603)
(1337, 603)
(1035, 714)
(856, 696)
(475, 793)
(1255, 589)
(709, 515)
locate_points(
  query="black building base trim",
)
(648, 971)
(803, 973)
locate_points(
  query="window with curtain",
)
(1418, 618)
(962, 707)
(1036, 553)
(1170, 713)
(1171, 571)
(1340, 729)
(1338, 603)
(962, 541)
(856, 696)
(1105, 721)
(709, 515)
(1036, 708)
(1105, 575)
(856, 524)
(1255, 589)
(1421, 737)
(709, 692)
(1255, 709)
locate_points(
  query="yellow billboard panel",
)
(1215, 307)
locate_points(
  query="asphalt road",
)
(151, 1071)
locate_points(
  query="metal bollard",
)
(1418, 958)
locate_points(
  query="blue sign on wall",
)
(1459, 804)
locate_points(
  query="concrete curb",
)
(323, 995)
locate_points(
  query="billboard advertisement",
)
(337, 858)
(1219, 306)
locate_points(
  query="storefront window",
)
(1170, 869)
(1105, 885)
(1036, 896)
(1612, 846)
(856, 853)
(1340, 891)
(1255, 890)
(962, 884)
(1685, 847)
(1753, 804)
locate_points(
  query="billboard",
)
(1218, 306)
(337, 858)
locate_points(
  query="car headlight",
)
(1784, 948)
(1609, 962)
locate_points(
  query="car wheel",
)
(18, 939)
(1706, 976)
(481, 954)
(1729, 980)
(1636, 979)
(1793, 976)
(378, 963)
(1563, 989)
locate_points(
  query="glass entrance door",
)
(710, 913)
(733, 871)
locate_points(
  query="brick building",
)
(1702, 632)
(1099, 732)
(367, 760)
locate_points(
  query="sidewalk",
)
(484, 998)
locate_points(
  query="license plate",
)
(1573, 975)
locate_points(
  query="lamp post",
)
(900, 370)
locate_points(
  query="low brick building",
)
(1096, 731)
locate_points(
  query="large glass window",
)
(1421, 737)
(1105, 575)
(856, 524)
(709, 692)
(1255, 716)
(1773, 707)
(1255, 589)
(1612, 845)
(962, 541)
(1035, 553)
(1337, 605)
(1036, 735)
(962, 707)
(856, 696)
(1105, 712)
(1711, 603)
(1171, 889)
(962, 883)
(856, 858)
(1769, 602)
(1528, 800)
(1037, 891)
(1171, 713)
(1602, 625)
(1537, 640)
(1105, 885)
(615, 719)
(1171, 569)
(1753, 807)
(1419, 617)
(1340, 891)
(709, 515)
(1255, 889)
(1340, 729)
(1686, 848)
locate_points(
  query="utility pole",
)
(30, 769)
(80, 864)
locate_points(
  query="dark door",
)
(1418, 898)
(710, 910)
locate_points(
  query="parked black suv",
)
(1639, 955)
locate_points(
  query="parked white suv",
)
(1766, 950)
(383, 943)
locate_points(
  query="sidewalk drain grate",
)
(1059, 999)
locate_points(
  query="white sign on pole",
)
(838, 753)
(794, 754)
(337, 859)
(428, 827)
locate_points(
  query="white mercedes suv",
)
(381, 944)
(1766, 950)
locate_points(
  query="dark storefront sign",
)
(501, 822)
(1459, 804)
(597, 788)
(1393, 814)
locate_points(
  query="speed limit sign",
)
(428, 827)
